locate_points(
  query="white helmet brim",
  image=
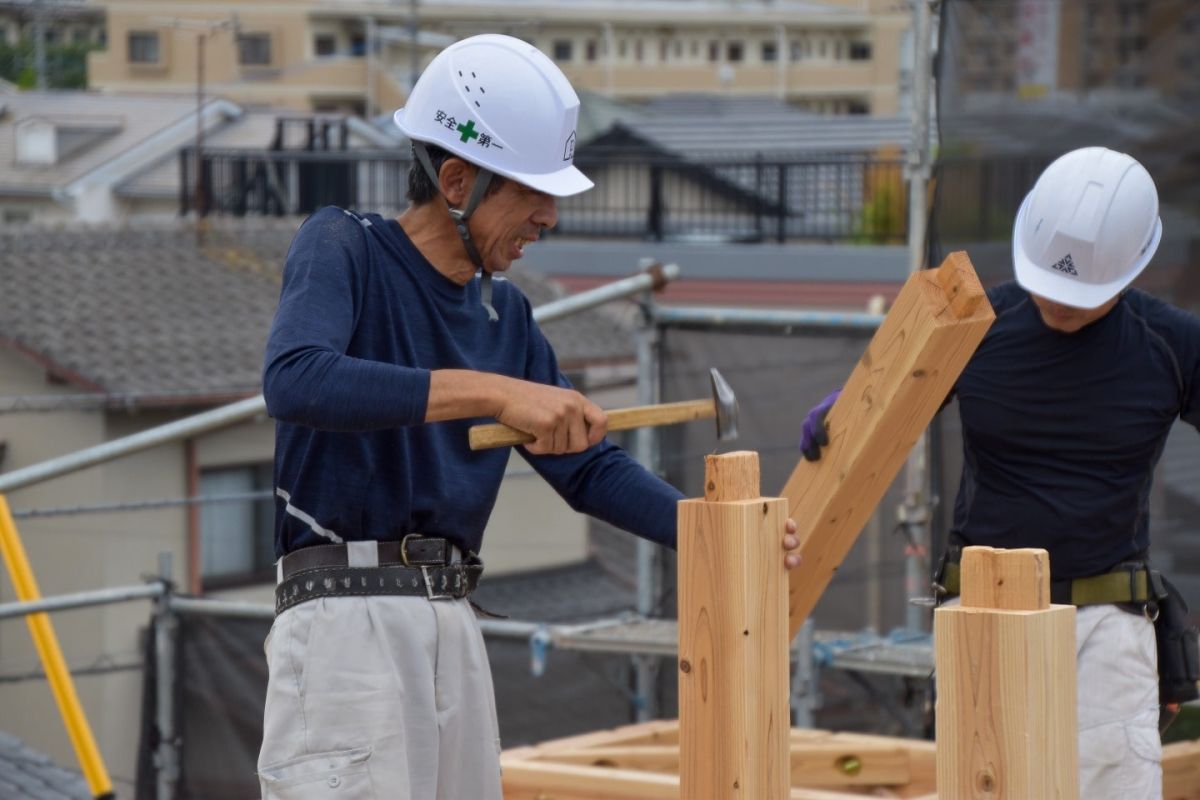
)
(559, 183)
(1037, 279)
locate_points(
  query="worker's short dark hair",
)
(422, 189)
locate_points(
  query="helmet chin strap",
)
(483, 177)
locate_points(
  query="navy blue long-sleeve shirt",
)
(363, 319)
(1061, 431)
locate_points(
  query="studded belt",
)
(324, 576)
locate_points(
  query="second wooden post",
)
(1006, 704)
(733, 638)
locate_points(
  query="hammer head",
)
(726, 406)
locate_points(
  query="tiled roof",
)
(125, 122)
(26, 774)
(144, 314)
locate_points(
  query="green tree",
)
(66, 64)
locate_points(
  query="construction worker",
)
(390, 340)
(1065, 409)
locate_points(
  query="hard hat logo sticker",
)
(1065, 264)
(465, 131)
(569, 148)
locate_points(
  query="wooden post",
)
(933, 328)
(733, 640)
(1006, 703)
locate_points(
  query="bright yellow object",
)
(53, 663)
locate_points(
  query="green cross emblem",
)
(468, 131)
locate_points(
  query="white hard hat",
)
(1087, 229)
(499, 103)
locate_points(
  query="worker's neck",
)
(431, 230)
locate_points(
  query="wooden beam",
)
(1006, 690)
(733, 642)
(825, 764)
(899, 383)
(538, 780)
(1181, 771)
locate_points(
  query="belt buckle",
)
(404, 550)
(446, 592)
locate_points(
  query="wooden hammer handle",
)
(484, 437)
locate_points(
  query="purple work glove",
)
(813, 435)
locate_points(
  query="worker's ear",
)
(456, 178)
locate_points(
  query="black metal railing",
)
(836, 197)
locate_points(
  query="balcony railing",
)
(834, 198)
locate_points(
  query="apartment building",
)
(835, 56)
(1044, 47)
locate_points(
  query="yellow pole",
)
(52, 659)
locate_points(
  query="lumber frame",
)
(733, 643)
(899, 383)
(1006, 683)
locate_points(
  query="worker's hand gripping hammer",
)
(722, 405)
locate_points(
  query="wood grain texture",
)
(910, 365)
(1009, 580)
(731, 476)
(1181, 771)
(733, 656)
(1006, 696)
(495, 434)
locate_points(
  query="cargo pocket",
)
(337, 775)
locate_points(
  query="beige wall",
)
(625, 50)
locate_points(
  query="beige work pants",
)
(1120, 750)
(379, 698)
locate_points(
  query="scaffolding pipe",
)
(645, 450)
(91, 763)
(65, 602)
(721, 317)
(256, 406)
(221, 608)
(166, 643)
(914, 512)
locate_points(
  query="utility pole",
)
(204, 29)
(414, 53)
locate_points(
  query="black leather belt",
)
(416, 566)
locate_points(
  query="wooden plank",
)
(937, 321)
(733, 642)
(813, 765)
(1006, 691)
(834, 763)
(1181, 771)
(539, 780)
(653, 732)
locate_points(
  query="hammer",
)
(722, 405)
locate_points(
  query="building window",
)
(639, 51)
(678, 49)
(324, 44)
(589, 50)
(237, 535)
(51, 36)
(358, 45)
(254, 49)
(563, 49)
(770, 52)
(663, 52)
(734, 52)
(143, 47)
(622, 48)
(860, 51)
(80, 36)
(695, 48)
(3, 35)
(714, 51)
(16, 216)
